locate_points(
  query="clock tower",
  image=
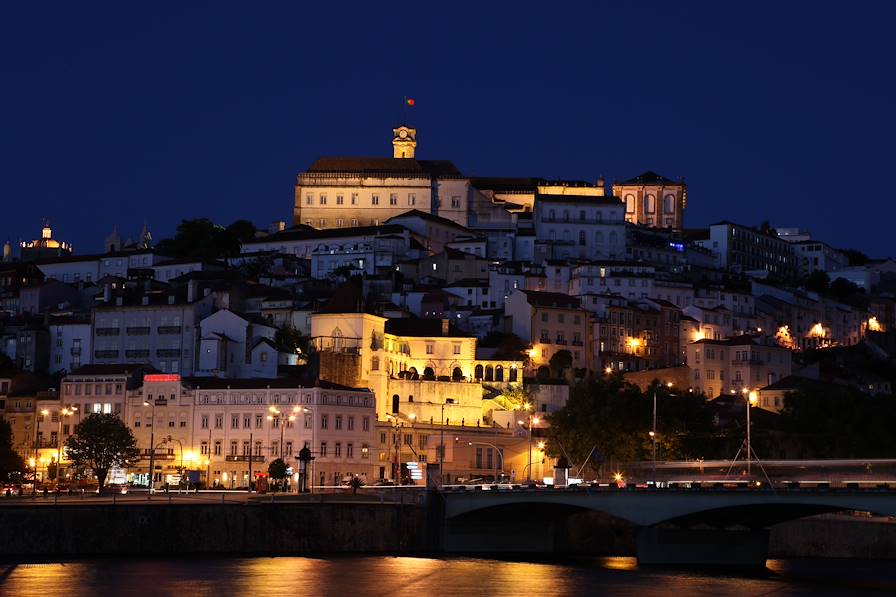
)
(404, 142)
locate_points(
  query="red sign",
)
(161, 377)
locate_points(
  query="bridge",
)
(674, 526)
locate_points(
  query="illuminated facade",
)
(653, 200)
(45, 247)
(738, 363)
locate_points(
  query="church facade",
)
(653, 200)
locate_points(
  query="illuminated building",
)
(45, 247)
(653, 200)
(719, 366)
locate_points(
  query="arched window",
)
(428, 373)
(669, 204)
(630, 204)
(337, 339)
(512, 374)
(412, 373)
(489, 373)
(395, 401)
(650, 204)
(477, 372)
(457, 374)
(499, 373)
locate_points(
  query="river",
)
(431, 577)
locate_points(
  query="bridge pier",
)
(702, 547)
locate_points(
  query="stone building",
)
(653, 200)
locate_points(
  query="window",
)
(429, 348)
(457, 349)
(349, 451)
(629, 204)
(233, 447)
(455, 202)
(324, 422)
(412, 199)
(340, 222)
(375, 200)
(338, 199)
(338, 422)
(323, 199)
(337, 450)
(258, 421)
(375, 364)
(219, 421)
(354, 198)
(323, 449)
(309, 199)
(234, 421)
(351, 423)
(393, 199)
(365, 424)
(217, 447)
(669, 204)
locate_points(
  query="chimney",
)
(277, 226)
(107, 293)
(444, 327)
(192, 287)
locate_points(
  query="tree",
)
(513, 398)
(818, 281)
(277, 469)
(855, 257)
(356, 483)
(203, 239)
(11, 464)
(101, 442)
(560, 361)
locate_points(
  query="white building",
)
(70, 342)
(583, 227)
(237, 345)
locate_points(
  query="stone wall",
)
(262, 528)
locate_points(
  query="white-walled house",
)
(237, 345)
(70, 342)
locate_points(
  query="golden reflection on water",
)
(398, 576)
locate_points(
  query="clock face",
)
(402, 134)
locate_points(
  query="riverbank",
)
(276, 528)
(354, 526)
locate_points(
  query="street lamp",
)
(37, 438)
(752, 400)
(497, 452)
(276, 414)
(65, 412)
(532, 421)
(152, 446)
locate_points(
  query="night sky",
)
(115, 114)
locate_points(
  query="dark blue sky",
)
(113, 114)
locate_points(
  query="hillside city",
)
(415, 324)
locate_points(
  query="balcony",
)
(137, 354)
(544, 340)
(138, 331)
(105, 354)
(168, 329)
(108, 331)
(245, 458)
(560, 341)
(167, 352)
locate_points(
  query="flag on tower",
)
(409, 101)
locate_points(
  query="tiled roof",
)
(384, 166)
(551, 299)
(649, 177)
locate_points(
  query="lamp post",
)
(752, 399)
(653, 428)
(532, 421)
(152, 446)
(276, 414)
(442, 448)
(65, 412)
(37, 438)
(497, 454)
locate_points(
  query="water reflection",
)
(428, 577)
